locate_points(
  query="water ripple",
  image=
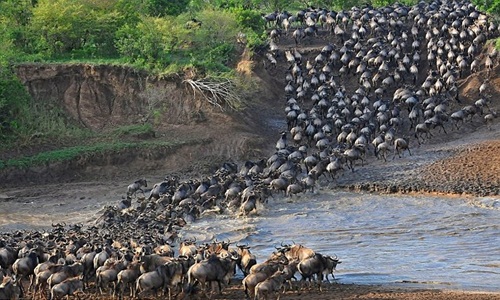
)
(431, 241)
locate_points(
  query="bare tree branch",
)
(220, 93)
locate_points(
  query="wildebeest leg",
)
(220, 287)
(442, 126)
(32, 282)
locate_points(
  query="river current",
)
(421, 241)
(417, 241)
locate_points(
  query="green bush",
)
(64, 27)
(489, 6)
(23, 119)
(13, 103)
(160, 8)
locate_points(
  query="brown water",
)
(450, 243)
(421, 241)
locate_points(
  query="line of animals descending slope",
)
(382, 76)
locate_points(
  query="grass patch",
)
(134, 130)
(76, 152)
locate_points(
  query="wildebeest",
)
(212, 269)
(272, 62)
(136, 186)
(271, 285)
(150, 262)
(296, 252)
(42, 273)
(353, 154)
(289, 270)
(251, 280)
(87, 260)
(66, 272)
(317, 265)
(9, 289)
(163, 277)
(188, 248)
(246, 259)
(421, 129)
(7, 257)
(401, 144)
(160, 189)
(109, 273)
(249, 205)
(24, 267)
(68, 287)
(102, 256)
(164, 250)
(271, 265)
(126, 278)
(294, 188)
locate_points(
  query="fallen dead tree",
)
(218, 92)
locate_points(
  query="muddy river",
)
(420, 241)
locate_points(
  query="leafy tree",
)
(248, 18)
(160, 8)
(15, 15)
(215, 39)
(152, 41)
(7, 51)
(19, 12)
(490, 6)
(67, 26)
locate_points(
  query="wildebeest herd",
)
(383, 76)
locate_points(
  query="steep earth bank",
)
(103, 98)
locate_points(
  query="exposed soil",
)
(349, 291)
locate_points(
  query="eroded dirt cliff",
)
(104, 97)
